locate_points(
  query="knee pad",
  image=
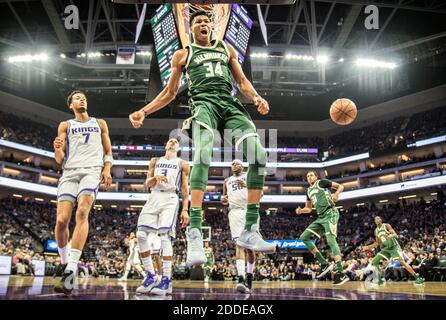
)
(166, 245)
(154, 242)
(143, 243)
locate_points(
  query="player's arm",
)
(371, 246)
(151, 180)
(307, 209)
(244, 84)
(167, 95)
(59, 142)
(224, 199)
(108, 156)
(339, 188)
(185, 171)
(391, 231)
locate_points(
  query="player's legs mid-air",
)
(327, 225)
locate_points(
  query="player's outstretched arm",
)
(307, 209)
(167, 95)
(244, 84)
(185, 170)
(59, 142)
(108, 155)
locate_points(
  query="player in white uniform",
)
(133, 258)
(83, 146)
(235, 194)
(166, 176)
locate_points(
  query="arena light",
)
(341, 60)
(144, 53)
(136, 206)
(360, 204)
(259, 55)
(17, 195)
(322, 59)
(28, 58)
(38, 199)
(291, 56)
(408, 197)
(62, 55)
(53, 201)
(94, 54)
(383, 201)
(113, 206)
(372, 63)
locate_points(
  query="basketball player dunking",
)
(236, 195)
(83, 145)
(208, 66)
(166, 176)
(133, 258)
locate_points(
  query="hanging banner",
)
(125, 55)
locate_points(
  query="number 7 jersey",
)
(207, 69)
(83, 146)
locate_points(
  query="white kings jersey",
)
(170, 169)
(237, 195)
(83, 145)
(133, 246)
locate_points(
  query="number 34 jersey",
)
(237, 195)
(83, 147)
(170, 168)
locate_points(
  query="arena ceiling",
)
(411, 33)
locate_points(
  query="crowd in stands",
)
(421, 227)
(375, 138)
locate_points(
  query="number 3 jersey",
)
(83, 147)
(207, 69)
(170, 168)
(237, 195)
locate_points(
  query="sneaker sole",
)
(250, 247)
(342, 282)
(325, 272)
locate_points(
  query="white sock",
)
(240, 267)
(148, 264)
(127, 270)
(167, 268)
(63, 253)
(250, 267)
(73, 260)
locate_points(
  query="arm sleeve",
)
(324, 183)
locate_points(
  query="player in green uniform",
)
(209, 65)
(386, 238)
(319, 195)
(209, 261)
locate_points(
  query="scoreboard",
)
(238, 31)
(167, 40)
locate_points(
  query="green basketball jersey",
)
(381, 233)
(209, 255)
(207, 69)
(320, 195)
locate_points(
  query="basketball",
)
(343, 111)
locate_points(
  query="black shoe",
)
(66, 284)
(241, 285)
(249, 277)
(325, 269)
(340, 279)
(60, 269)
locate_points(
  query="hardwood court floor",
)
(17, 287)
